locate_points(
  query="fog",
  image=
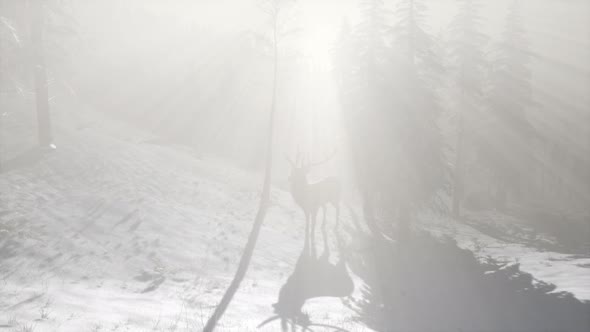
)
(159, 55)
(325, 165)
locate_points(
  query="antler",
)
(323, 160)
(290, 161)
(272, 318)
(336, 328)
(302, 160)
(298, 160)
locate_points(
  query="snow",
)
(108, 233)
(568, 272)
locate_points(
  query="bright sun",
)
(321, 23)
(317, 44)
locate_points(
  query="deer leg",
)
(337, 224)
(324, 234)
(312, 235)
(306, 237)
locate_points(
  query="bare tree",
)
(37, 8)
(273, 9)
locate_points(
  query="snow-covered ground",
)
(568, 272)
(109, 233)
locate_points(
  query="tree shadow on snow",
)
(422, 284)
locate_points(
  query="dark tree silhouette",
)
(508, 140)
(361, 61)
(421, 170)
(468, 59)
(388, 75)
(274, 11)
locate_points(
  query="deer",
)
(311, 278)
(311, 197)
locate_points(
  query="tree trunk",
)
(458, 173)
(40, 73)
(262, 208)
(369, 214)
(1, 99)
(501, 193)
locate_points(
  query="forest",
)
(294, 165)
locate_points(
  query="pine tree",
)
(365, 100)
(391, 110)
(506, 150)
(371, 36)
(420, 167)
(467, 53)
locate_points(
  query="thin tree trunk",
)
(587, 161)
(458, 174)
(262, 208)
(1, 99)
(411, 32)
(501, 193)
(40, 73)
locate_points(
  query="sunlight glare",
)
(321, 21)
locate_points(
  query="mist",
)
(286, 165)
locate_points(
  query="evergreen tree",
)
(420, 170)
(468, 59)
(389, 99)
(506, 148)
(362, 64)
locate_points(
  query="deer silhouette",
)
(312, 277)
(311, 197)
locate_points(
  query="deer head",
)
(301, 166)
(299, 170)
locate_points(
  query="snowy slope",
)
(111, 234)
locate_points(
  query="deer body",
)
(311, 197)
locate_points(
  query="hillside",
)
(112, 233)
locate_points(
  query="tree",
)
(365, 99)
(420, 170)
(10, 43)
(467, 45)
(389, 99)
(506, 144)
(274, 9)
(38, 20)
(3, 25)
